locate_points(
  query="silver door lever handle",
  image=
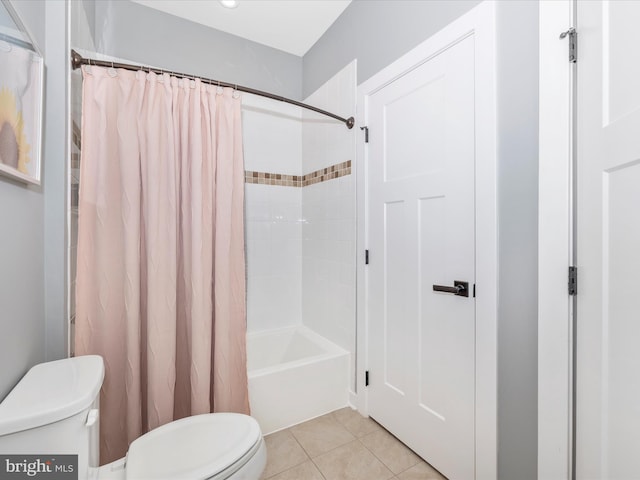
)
(461, 289)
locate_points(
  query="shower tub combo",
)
(294, 375)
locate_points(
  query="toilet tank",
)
(53, 410)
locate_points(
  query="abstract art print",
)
(21, 86)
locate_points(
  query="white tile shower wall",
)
(328, 261)
(328, 212)
(272, 135)
(325, 141)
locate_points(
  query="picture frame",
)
(21, 99)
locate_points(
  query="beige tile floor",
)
(342, 445)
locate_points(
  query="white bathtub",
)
(294, 375)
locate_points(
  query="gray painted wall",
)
(22, 257)
(378, 32)
(55, 179)
(517, 43)
(5, 18)
(141, 34)
(21, 281)
(32, 14)
(88, 10)
(32, 270)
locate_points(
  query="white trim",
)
(362, 333)
(486, 247)
(554, 244)
(480, 22)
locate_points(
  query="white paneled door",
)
(608, 248)
(421, 232)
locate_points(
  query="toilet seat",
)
(197, 447)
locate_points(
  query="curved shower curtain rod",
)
(78, 60)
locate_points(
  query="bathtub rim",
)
(330, 349)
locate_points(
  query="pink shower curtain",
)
(160, 279)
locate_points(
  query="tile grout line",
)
(365, 447)
(292, 466)
(356, 438)
(290, 429)
(394, 475)
(309, 457)
(382, 461)
(328, 451)
(317, 468)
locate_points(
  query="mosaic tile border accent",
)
(329, 173)
(75, 135)
(264, 178)
(322, 175)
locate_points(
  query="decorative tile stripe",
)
(75, 160)
(322, 175)
(264, 178)
(75, 194)
(329, 173)
(75, 137)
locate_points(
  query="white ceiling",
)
(289, 25)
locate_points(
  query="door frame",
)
(555, 242)
(481, 23)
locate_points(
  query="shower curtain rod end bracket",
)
(350, 122)
(76, 60)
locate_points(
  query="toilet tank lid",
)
(50, 392)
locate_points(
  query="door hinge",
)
(573, 43)
(366, 378)
(366, 134)
(573, 280)
(366, 257)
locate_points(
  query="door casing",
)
(480, 22)
(555, 242)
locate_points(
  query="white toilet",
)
(54, 410)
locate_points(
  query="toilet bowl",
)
(54, 410)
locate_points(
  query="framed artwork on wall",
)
(21, 99)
